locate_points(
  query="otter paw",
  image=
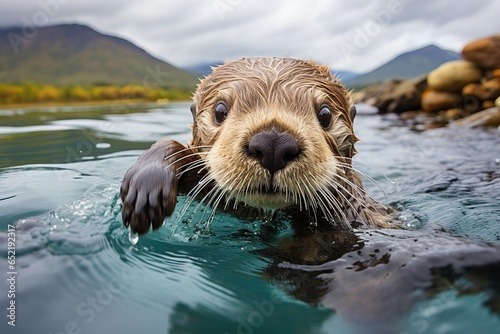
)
(149, 195)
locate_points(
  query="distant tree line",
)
(35, 93)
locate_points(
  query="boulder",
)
(484, 52)
(471, 89)
(471, 104)
(488, 90)
(371, 94)
(434, 100)
(452, 114)
(496, 73)
(394, 96)
(453, 75)
(488, 117)
(487, 104)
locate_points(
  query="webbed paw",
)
(149, 195)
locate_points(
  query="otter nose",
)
(273, 149)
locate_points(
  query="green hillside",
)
(73, 54)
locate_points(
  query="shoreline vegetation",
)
(32, 95)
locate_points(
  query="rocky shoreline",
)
(462, 93)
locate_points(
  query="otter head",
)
(275, 132)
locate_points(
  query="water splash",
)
(267, 215)
(133, 238)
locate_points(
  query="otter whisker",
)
(368, 177)
(360, 191)
(210, 195)
(183, 158)
(217, 195)
(309, 193)
(329, 196)
(313, 210)
(217, 202)
(346, 200)
(336, 206)
(301, 197)
(193, 193)
(206, 179)
(197, 164)
(246, 182)
(238, 194)
(227, 188)
(184, 150)
(195, 147)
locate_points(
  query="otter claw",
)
(148, 196)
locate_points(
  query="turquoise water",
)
(78, 272)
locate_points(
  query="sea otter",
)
(277, 134)
(268, 133)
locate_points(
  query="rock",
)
(433, 100)
(471, 104)
(372, 93)
(453, 75)
(488, 117)
(484, 52)
(471, 89)
(496, 73)
(394, 96)
(488, 104)
(488, 90)
(452, 114)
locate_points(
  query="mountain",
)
(76, 54)
(202, 69)
(407, 65)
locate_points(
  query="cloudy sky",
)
(356, 35)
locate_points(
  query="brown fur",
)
(284, 94)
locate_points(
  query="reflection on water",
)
(60, 172)
(73, 134)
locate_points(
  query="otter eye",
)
(324, 116)
(220, 113)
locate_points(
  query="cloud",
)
(195, 31)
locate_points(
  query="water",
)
(79, 272)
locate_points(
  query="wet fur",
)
(261, 94)
(265, 93)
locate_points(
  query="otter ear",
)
(193, 110)
(352, 113)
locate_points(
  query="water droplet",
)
(267, 215)
(313, 220)
(133, 238)
(103, 145)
